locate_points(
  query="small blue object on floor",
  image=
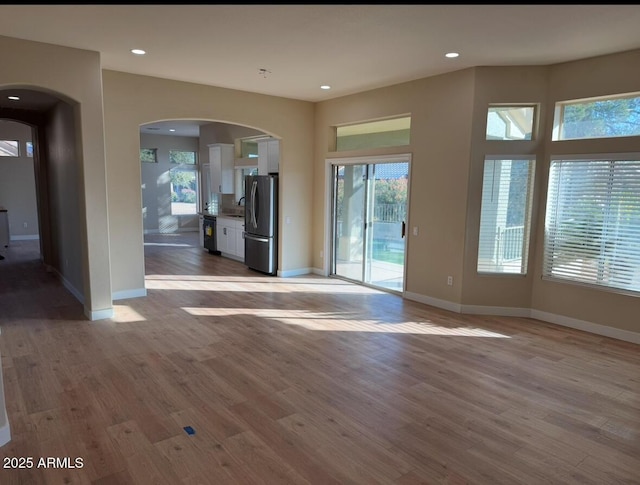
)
(189, 430)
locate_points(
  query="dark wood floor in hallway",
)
(222, 375)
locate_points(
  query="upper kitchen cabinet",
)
(268, 156)
(221, 172)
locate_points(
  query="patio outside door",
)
(369, 220)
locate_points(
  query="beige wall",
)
(441, 110)
(601, 76)
(18, 184)
(132, 100)
(74, 75)
(448, 146)
(494, 85)
(63, 203)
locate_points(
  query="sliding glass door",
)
(349, 220)
(369, 220)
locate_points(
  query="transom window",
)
(374, 134)
(510, 122)
(608, 117)
(249, 146)
(149, 155)
(182, 157)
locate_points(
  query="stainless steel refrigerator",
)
(261, 223)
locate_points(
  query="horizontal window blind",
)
(592, 225)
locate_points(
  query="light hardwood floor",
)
(304, 380)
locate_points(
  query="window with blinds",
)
(505, 216)
(592, 225)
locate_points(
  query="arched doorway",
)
(56, 177)
(174, 172)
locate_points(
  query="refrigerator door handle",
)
(256, 238)
(254, 188)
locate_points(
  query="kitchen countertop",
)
(230, 216)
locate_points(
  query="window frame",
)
(559, 115)
(534, 121)
(546, 269)
(528, 216)
(362, 128)
(185, 167)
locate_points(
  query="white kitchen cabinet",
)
(222, 237)
(268, 156)
(229, 237)
(221, 156)
(240, 240)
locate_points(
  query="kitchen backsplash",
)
(229, 205)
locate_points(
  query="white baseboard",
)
(25, 237)
(318, 271)
(99, 314)
(126, 294)
(428, 300)
(294, 272)
(595, 328)
(91, 315)
(616, 333)
(72, 289)
(502, 311)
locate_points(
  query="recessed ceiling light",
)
(451, 55)
(172, 129)
(138, 52)
(325, 86)
(14, 98)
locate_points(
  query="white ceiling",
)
(353, 48)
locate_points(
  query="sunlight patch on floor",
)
(126, 314)
(247, 284)
(343, 322)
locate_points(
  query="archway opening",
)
(48, 204)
